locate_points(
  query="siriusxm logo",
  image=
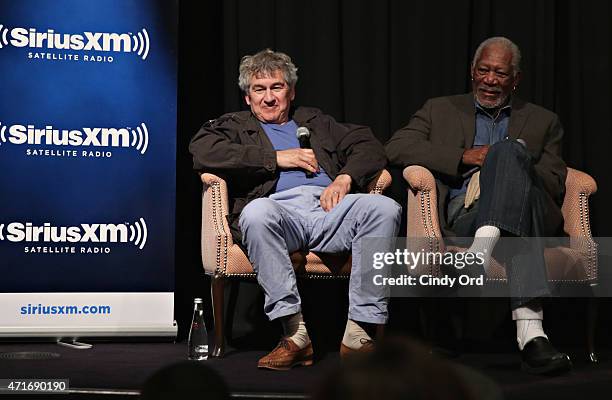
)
(87, 41)
(135, 233)
(95, 137)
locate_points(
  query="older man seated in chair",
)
(287, 198)
(511, 149)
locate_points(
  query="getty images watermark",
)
(420, 266)
(432, 267)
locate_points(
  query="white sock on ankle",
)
(528, 324)
(485, 239)
(294, 328)
(354, 335)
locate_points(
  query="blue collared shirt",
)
(490, 129)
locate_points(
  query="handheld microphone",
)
(303, 136)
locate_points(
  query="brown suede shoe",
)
(367, 346)
(286, 355)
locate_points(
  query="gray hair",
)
(265, 63)
(505, 42)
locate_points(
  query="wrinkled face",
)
(270, 98)
(493, 77)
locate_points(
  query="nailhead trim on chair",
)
(223, 235)
(585, 225)
(425, 211)
(310, 276)
(245, 275)
(219, 229)
(425, 200)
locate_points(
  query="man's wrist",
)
(344, 178)
(464, 158)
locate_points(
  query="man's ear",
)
(517, 80)
(247, 99)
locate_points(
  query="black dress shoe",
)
(540, 357)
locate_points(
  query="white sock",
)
(485, 239)
(354, 335)
(528, 324)
(294, 328)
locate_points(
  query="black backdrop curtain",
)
(375, 62)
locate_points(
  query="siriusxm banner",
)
(87, 165)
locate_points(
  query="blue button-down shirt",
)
(490, 129)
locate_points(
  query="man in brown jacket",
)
(508, 151)
(288, 195)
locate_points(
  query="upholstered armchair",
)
(223, 259)
(575, 264)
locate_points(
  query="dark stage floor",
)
(124, 367)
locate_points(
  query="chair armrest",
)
(419, 178)
(578, 187)
(216, 237)
(422, 209)
(209, 179)
(576, 219)
(379, 184)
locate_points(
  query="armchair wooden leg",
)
(591, 325)
(217, 289)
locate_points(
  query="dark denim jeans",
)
(513, 199)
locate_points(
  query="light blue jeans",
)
(292, 220)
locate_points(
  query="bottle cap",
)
(197, 300)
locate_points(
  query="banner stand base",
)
(75, 333)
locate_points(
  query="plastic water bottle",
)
(198, 338)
